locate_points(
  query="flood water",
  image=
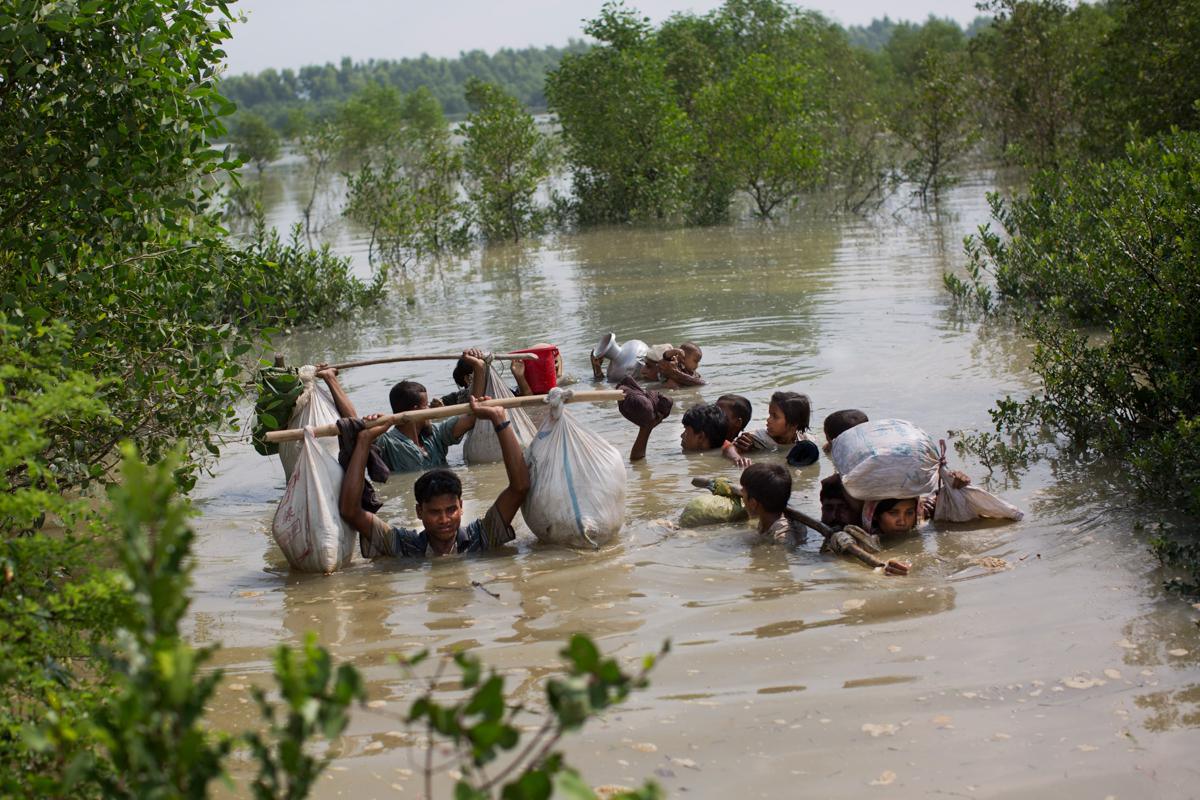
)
(1068, 674)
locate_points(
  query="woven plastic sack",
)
(970, 502)
(482, 445)
(314, 407)
(577, 482)
(307, 526)
(885, 459)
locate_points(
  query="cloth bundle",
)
(577, 482)
(482, 445)
(314, 407)
(307, 526)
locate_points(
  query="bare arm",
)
(638, 451)
(597, 362)
(350, 498)
(734, 454)
(479, 371)
(671, 372)
(510, 500)
(344, 407)
(518, 371)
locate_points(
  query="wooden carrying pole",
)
(432, 357)
(405, 417)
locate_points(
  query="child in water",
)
(766, 489)
(680, 366)
(787, 427)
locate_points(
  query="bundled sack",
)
(577, 482)
(314, 407)
(307, 526)
(723, 505)
(970, 502)
(482, 445)
(887, 458)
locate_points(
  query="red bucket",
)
(541, 374)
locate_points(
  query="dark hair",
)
(437, 482)
(739, 406)
(839, 422)
(708, 420)
(795, 408)
(405, 396)
(692, 347)
(769, 484)
(462, 373)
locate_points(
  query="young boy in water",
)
(766, 489)
(704, 427)
(737, 414)
(680, 366)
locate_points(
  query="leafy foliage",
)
(1100, 270)
(505, 159)
(255, 141)
(483, 726)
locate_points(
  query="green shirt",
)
(401, 453)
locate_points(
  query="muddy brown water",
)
(1068, 674)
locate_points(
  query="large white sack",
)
(885, 459)
(482, 445)
(970, 502)
(314, 407)
(307, 526)
(577, 482)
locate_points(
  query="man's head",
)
(737, 411)
(691, 355)
(463, 372)
(768, 486)
(704, 427)
(407, 396)
(787, 414)
(439, 503)
(839, 422)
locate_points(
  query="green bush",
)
(1100, 266)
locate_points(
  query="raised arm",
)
(479, 371)
(510, 500)
(344, 407)
(518, 371)
(638, 451)
(350, 497)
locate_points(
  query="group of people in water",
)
(850, 526)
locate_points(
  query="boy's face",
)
(693, 440)
(441, 516)
(777, 424)
(650, 371)
(900, 518)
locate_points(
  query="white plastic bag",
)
(308, 527)
(314, 407)
(885, 459)
(482, 445)
(970, 502)
(577, 482)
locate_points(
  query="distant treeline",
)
(272, 94)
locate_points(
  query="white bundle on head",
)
(887, 458)
(314, 407)
(307, 526)
(577, 482)
(482, 445)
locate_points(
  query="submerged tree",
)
(934, 121)
(760, 127)
(255, 141)
(505, 158)
(626, 137)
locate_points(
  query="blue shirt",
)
(486, 533)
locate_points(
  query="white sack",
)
(482, 445)
(577, 482)
(307, 526)
(314, 407)
(970, 502)
(885, 459)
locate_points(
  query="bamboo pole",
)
(432, 357)
(420, 415)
